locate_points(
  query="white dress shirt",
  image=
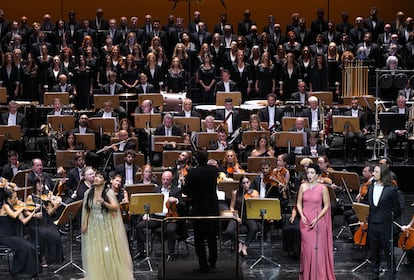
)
(378, 188)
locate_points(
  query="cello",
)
(406, 240)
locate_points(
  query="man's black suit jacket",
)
(264, 117)
(150, 89)
(193, 114)
(160, 130)
(236, 119)
(8, 171)
(118, 88)
(120, 169)
(307, 113)
(46, 179)
(362, 119)
(220, 86)
(200, 186)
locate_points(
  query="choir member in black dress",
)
(83, 81)
(241, 74)
(205, 77)
(176, 77)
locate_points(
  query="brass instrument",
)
(379, 107)
(410, 123)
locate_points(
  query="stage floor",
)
(347, 256)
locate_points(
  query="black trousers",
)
(205, 230)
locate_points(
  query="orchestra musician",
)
(313, 114)
(43, 231)
(398, 135)
(209, 123)
(24, 258)
(11, 168)
(314, 148)
(147, 176)
(263, 148)
(356, 139)
(128, 169)
(245, 150)
(384, 208)
(238, 204)
(230, 164)
(271, 114)
(37, 172)
(117, 186)
(172, 195)
(229, 115)
(181, 168)
(300, 127)
(221, 144)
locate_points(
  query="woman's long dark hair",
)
(91, 194)
(385, 174)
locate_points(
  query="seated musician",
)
(349, 215)
(300, 127)
(313, 115)
(63, 86)
(230, 164)
(147, 176)
(43, 230)
(325, 168)
(229, 115)
(172, 195)
(356, 139)
(75, 174)
(410, 253)
(301, 95)
(68, 142)
(128, 169)
(13, 117)
(314, 149)
(180, 169)
(246, 150)
(167, 128)
(238, 204)
(107, 111)
(125, 124)
(144, 86)
(146, 108)
(271, 114)
(221, 144)
(11, 168)
(37, 172)
(120, 193)
(188, 110)
(280, 178)
(263, 148)
(210, 124)
(398, 135)
(24, 259)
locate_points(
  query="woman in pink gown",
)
(313, 205)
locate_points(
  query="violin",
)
(62, 183)
(172, 209)
(277, 178)
(251, 193)
(360, 236)
(406, 240)
(363, 190)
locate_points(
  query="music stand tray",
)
(145, 204)
(228, 187)
(351, 179)
(12, 132)
(67, 216)
(157, 100)
(299, 158)
(139, 188)
(362, 212)
(345, 123)
(107, 124)
(99, 99)
(253, 163)
(61, 123)
(49, 97)
(222, 95)
(263, 208)
(290, 122)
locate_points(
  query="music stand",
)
(253, 163)
(3, 95)
(345, 123)
(145, 120)
(67, 216)
(146, 204)
(49, 97)
(169, 158)
(251, 137)
(12, 132)
(222, 95)
(228, 187)
(139, 159)
(216, 155)
(22, 192)
(391, 121)
(86, 141)
(61, 123)
(103, 125)
(66, 158)
(187, 125)
(323, 96)
(362, 212)
(289, 139)
(351, 179)
(263, 208)
(99, 99)
(158, 141)
(299, 158)
(20, 178)
(205, 139)
(157, 100)
(290, 122)
(250, 175)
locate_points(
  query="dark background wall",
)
(210, 9)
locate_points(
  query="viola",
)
(360, 236)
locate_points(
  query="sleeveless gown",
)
(105, 251)
(316, 258)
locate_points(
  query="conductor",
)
(201, 188)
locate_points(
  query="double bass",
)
(406, 240)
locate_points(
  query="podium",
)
(146, 204)
(263, 208)
(67, 216)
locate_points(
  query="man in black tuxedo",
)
(374, 24)
(200, 186)
(37, 171)
(11, 168)
(112, 87)
(408, 92)
(313, 148)
(188, 110)
(225, 84)
(219, 27)
(107, 111)
(173, 195)
(128, 169)
(201, 36)
(75, 174)
(372, 50)
(356, 139)
(357, 33)
(229, 115)
(384, 209)
(243, 27)
(13, 117)
(85, 31)
(301, 95)
(271, 114)
(167, 128)
(63, 86)
(144, 86)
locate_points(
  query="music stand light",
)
(67, 216)
(146, 203)
(263, 208)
